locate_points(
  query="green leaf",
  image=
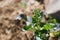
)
(48, 26)
(57, 34)
(54, 21)
(24, 4)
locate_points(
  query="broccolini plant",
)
(41, 29)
